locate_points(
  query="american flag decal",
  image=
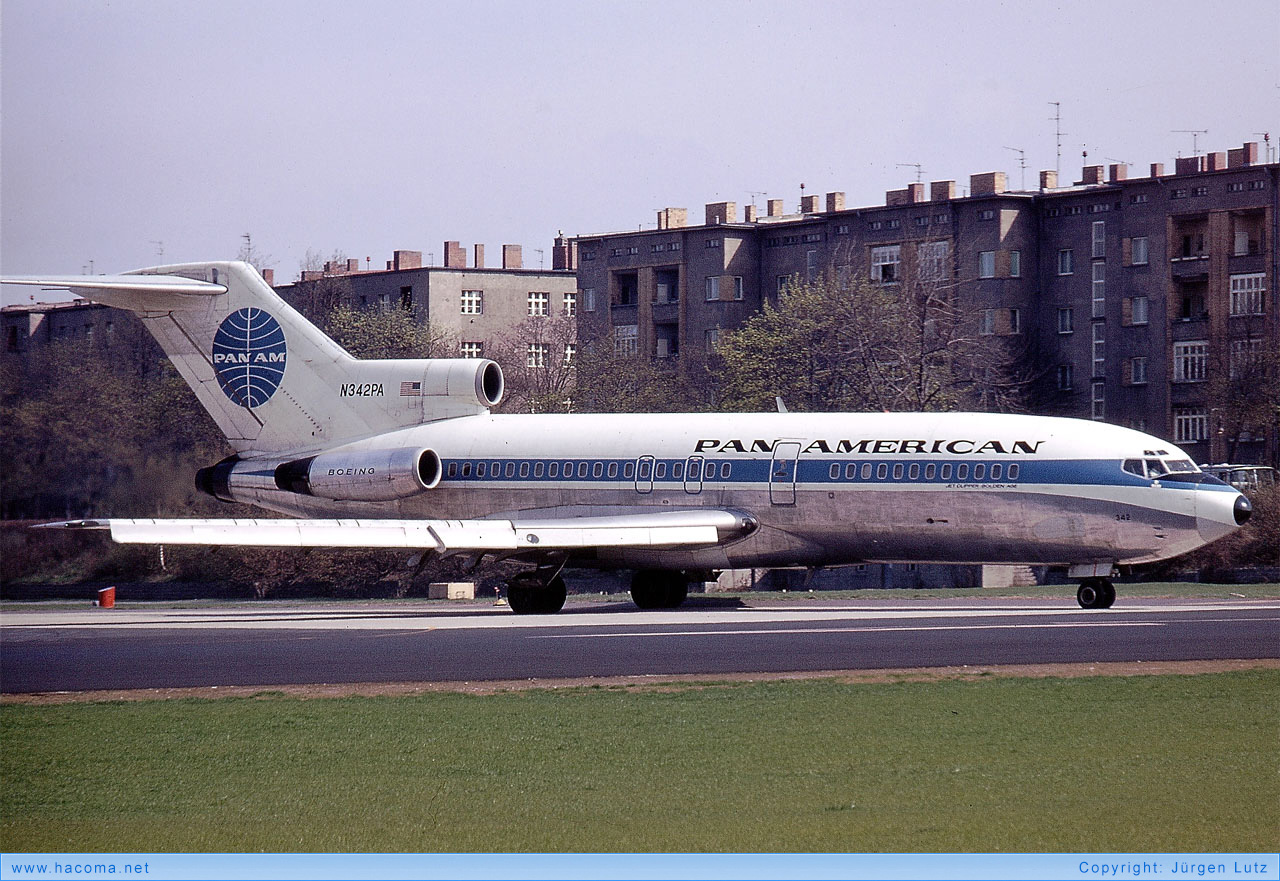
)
(410, 389)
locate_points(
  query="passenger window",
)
(1013, 471)
(453, 469)
(866, 470)
(897, 471)
(511, 469)
(524, 469)
(946, 471)
(996, 471)
(962, 471)
(835, 472)
(882, 470)
(553, 470)
(979, 472)
(582, 469)
(660, 470)
(677, 471)
(479, 469)
(644, 470)
(929, 471)
(466, 469)
(613, 470)
(695, 470)
(597, 470)
(913, 472)
(850, 471)
(725, 470)
(537, 469)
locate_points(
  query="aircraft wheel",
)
(1095, 593)
(655, 589)
(528, 594)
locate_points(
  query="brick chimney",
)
(511, 258)
(751, 213)
(1157, 169)
(1117, 173)
(808, 204)
(915, 193)
(455, 256)
(1048, 179)
(1188, 165)
(942, 190)
(1091, 174)
(835, 202)
(895, 197)
(564, 254)
(775, 208)
(478, 261)
(989, 184)
(269, 276)
(721, 212)
(406, 260)
(1216, 161)
(672, 218)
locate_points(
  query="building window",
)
(713, 287)
(712, 339)
(1065, 261)
(1066, 377)
(570, 304)
(537, 354)
(884, 263)
(1015, 264)
(1190, 424)
(1138, 198)
(1190, 360)
(1244, 356)
(473, 302)
(737, 287)
(570, 352)
(1140, 251)
(1066, 321)
(932, 260)
(715, 243)
(987, 214)
(986, 264)
(810, 265)
(987, 322)
(1099, 238)
(1199, 191)
(626, 339)
(1099, 401)
(1099, 289)
(1015, 321)
(539, 303)
(1099, 350)
(406, 298)
(473, 350)
(1138, 371)
(1247, 293)
(1138, 310)
(589, 299)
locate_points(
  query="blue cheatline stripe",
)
(811, 472)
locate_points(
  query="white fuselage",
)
(826, 489)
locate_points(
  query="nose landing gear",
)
(541, 592)
(657, 589)
(1096, 593)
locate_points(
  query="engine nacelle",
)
(362, 475)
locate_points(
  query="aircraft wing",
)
(662, 529)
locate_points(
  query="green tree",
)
(393, 333)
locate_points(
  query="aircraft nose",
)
(1220, 513)
(1243, 510)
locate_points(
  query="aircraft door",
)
(782, 473)
(644, 474)
(693, 475)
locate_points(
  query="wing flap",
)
(637, 530)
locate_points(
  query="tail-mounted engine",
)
(364, 475)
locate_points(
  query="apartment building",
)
(1136, 297)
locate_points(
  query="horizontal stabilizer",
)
(87, 285)
(677, 528)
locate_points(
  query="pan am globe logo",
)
(249, 356)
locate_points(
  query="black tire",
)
(655, 589)
(1108, 595)
(527, 594)
(1088, 594)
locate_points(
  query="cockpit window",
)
(1134, 466)
(1155, 468)
(1181, 466)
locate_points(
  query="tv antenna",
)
(1022, 160)
(1266, 140)
(540, 257)
(1057, 129)
(916, 165)
(753, 194)
(1195, 137)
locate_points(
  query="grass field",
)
(1156, 763)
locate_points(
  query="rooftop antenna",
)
(1195, 137)
(916, 165)
(540, 257)
(802, 196)
(1057, 129)
(159, 248)
(1022, 160)
(1266, 139)
(753, 194)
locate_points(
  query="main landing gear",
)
(540, 592)
(659, 589)
(1096, 593)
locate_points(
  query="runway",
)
(142, 646)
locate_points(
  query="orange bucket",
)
(107, 598)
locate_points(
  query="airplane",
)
(407, 453)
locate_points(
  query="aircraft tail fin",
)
(271, 379)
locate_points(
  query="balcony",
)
(1195, 266)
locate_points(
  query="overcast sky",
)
(362, 128)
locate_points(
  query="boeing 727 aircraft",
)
(406, 454)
